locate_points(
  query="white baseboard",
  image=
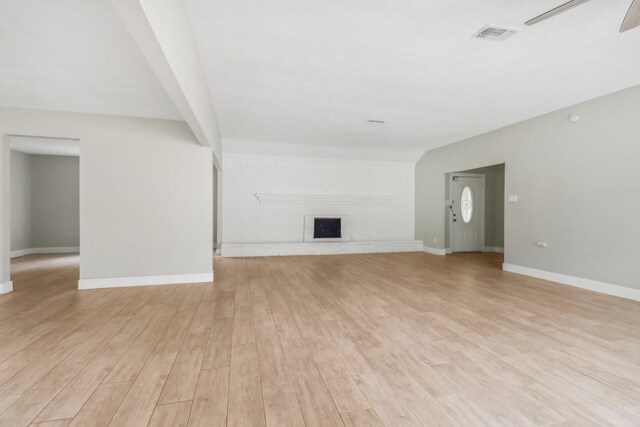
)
(5, 288)
(56, 250)
(120, 282)
(21, 252)
(578, 282)
(434, 251)
(483, 249)
(492, 249)
(316, 248)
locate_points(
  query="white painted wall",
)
(5, 215)
(246, 220)
(214, 186)
(570, 178)
(145, 193)
(218, 208)
(20, 201)
(55, 201)
(45, 201)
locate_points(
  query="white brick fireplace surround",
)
(267, 197)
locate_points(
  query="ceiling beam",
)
(162, 31)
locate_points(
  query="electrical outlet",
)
(541, 244)
(513, 198)
(435, 240)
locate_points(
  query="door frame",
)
(5, 212)
(451, 201)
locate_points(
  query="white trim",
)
(434, 251)
(492, 249)
(578, 282)
(448, 251)
(56, 250)
(5, 288)
(324, 248)
(335, 199)
(119, 282)
(21, 252)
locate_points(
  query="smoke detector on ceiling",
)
(495, 32)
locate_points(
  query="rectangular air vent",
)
(494, 33)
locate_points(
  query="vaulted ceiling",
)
(314, 72)
(75, 55)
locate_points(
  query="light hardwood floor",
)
(356, 340)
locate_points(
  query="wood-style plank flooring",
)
(355, 340)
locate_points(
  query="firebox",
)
(327, 228)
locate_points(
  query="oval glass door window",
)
(466, 205)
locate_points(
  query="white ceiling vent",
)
(493, 32)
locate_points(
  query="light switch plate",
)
(513, 197)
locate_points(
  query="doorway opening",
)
(44, 210)
(475, 203)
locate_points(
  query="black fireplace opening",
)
(327, 228)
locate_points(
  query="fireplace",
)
(326, 228)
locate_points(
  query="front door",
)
(467, 202)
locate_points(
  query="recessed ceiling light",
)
(378, 122)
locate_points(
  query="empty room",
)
(319, 213)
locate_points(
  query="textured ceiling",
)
(309, 72)
(313, 72)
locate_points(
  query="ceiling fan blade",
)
(555, 11)
(632, 19)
